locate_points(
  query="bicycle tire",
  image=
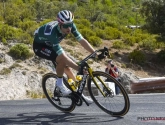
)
(48, 84)
(120, 102)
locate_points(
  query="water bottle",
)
(78, 78)
(72, 84)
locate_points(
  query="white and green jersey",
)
(51, 35)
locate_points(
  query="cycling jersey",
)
(51, 35)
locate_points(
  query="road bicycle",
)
(102, 92)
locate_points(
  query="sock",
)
(59, 81)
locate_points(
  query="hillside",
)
(24, 79)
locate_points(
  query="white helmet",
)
(65, 16)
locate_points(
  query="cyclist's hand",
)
(101, 56)
(104, 53)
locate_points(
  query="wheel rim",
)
(113, 104)
(65, 104)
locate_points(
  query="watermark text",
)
(150, 118)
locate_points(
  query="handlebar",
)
(104, 52)
(102, 55)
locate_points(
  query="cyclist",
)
(47, 45)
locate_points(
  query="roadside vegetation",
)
(128, 22)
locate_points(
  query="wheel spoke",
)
(64, 104)
(116, 105)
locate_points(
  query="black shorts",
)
(44, 51)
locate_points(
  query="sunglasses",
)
(65, 26)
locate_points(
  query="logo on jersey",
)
(42, 38)
(46, 51)
(48, 43)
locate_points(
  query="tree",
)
(154, 11)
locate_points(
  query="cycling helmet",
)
(65, 16)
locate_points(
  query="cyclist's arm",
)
(82, 40)
(86, 45)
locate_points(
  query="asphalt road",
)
(145, 109)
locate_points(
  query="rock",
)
(126, 79)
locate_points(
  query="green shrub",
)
(4, 41)
(95, 41)
(80, 26)
(45, 21)
(85, 22)
(130, 40)
(119, 45)
(111, 23)
(100, 33)
(82, 23)
(12, 20)
(161, 45)
(5, 71)
(31, 30)
(137, 56)
(148, 44)
(14, 66)
(161, 56)
(112, 33)
(123, 65)
(125, 30)
(25, 38)
(20, 51)
(137, 39)
(100, 25)
(144, 36)
(1, 60)
(9, 32)
(26, 25)
(86, 33)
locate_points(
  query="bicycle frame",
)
(82, 84)
(84, 78)
(97, 78)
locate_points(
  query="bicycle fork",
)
(102, 82)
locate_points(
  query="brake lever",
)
(106, 52)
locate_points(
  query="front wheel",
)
(104, 94)
(65, 104)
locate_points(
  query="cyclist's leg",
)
(63, 60)
(47, 52)
(69, 73)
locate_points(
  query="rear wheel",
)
(65, 104)
(106, 98)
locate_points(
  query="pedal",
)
(58, 100)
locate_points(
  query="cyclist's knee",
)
(61, 59)
(68, 69)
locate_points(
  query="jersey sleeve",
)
(76, 33)
(51, 33)
(58, 49)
